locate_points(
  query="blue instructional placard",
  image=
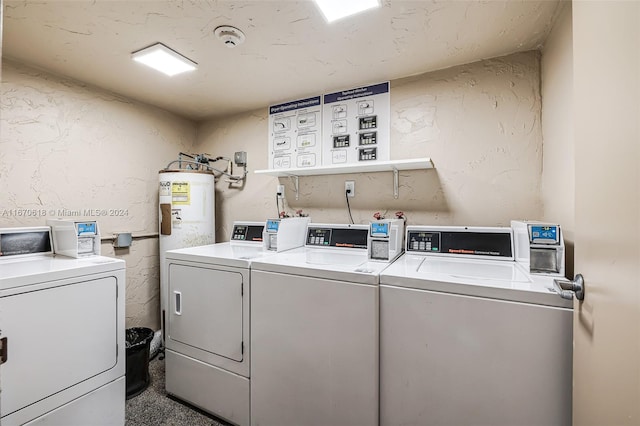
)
(360, 92)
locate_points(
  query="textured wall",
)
(558, 178)
(67, 148)
(480, 124)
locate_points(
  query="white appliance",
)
(186, 216)
(314, 331)
(540, 247)
(75, 238)
(63, 319)
(386, 237)
(468, 336)
(207, 332)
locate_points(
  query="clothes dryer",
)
(63, 320)
(314, 331)
(469, 336)
(207, 332)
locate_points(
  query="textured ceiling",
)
(290, 51)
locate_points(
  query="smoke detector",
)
(230, 36)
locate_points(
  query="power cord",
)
(346, 196)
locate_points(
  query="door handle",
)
(4, 350)
(566, 288)
(178, 306)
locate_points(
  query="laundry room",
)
(482, 103)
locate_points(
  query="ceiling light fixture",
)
(337, 9)
(164, 59)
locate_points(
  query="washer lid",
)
(335, 264)
(472, 277)
(468, 269)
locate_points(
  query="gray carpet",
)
(154, 408)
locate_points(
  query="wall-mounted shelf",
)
(379, 166)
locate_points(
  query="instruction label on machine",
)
(295, 130)
(180, 193)
(356, 125)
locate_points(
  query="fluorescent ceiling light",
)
(336, 9)
(163, 59)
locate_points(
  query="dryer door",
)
(205, 309)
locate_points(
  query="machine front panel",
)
(59, 337)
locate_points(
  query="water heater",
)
(186, 216)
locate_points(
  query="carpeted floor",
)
(154, 408)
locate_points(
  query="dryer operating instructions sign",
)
(346, 127)
(295, 134)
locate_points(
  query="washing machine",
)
(470, 336)
(207, 333)
(314, 331)
(63, 330)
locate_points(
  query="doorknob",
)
(566, 288)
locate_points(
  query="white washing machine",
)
(207, 333)
(314, 332)
(468, 336)
(63, 320)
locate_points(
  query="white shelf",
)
(379, 166)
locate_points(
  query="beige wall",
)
(480, 124)
(558, 175)
(68, 146)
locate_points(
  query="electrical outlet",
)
(350, 188)
(280, 192)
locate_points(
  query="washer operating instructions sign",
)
(356, 125)
(347, 127)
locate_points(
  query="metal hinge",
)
(4, 350)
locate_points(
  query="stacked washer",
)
(314, 331)
(63, 321)
(469, 336)
(207, 331)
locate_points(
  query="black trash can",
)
(138, 342)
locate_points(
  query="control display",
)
(319, 236)
(370, 122)
(465, 243)
(341, 141)
(272, 225)
(423, 241)
(86, 228)
(543, 234)
(337, 237)
(379, 229)
(247, 232)
(368, 138)
(367, 154)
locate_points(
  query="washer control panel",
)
(423, 241)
